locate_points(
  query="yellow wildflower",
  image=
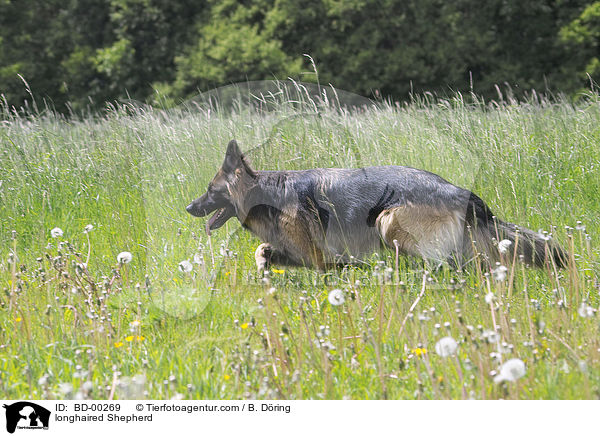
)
(139, 338)
(226, 377)
(19, 319)
(118, 344)
(244, 326)
(278, 271)
(419, 351)
(129, 338)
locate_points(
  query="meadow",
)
(188, 316)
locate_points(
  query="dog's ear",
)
(235, 161)
(233, 156)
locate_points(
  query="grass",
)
(76, 324)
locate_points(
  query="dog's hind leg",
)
(394, 232)
(431, 233)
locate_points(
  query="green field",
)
(76, 324)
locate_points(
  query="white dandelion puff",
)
(504, 245)
(585, 310)
(124, 257)
(446, 346)
(336, 297)
(56, 232)
(544, 235)
(88, 228)
(491, 336)
(489, 298)
(198, 259)
(500, 273)
(185, 266)
(511, 370)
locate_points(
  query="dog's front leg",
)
(267, 255)
(263, 255)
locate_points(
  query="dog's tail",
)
(483, 227)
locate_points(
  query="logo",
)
(26, 415)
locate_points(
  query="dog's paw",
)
(262, 255)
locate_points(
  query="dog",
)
(322, 218)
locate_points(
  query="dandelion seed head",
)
(56, 232)
(446, 346)
(511, 370)
(504, 245)
(124, 257)
(336, 297)
(544, 235)
(324, 330)
(88, 228)
(65, 389)
(585, 310)
(185, 266)
(499, 273)
(43, 381)
(198, 259)
(491, 336)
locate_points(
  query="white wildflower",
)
(43, 381)
(544, 235)
(336, 297)
(124, 257)
(185, 266)
(500, 273)
(504, 245)
(87, 387)
(491, 336)
(198, 259)
(585, 310)
(56, 232)
(446, 346)
(489, 298)
(66, 389)
(323, 331)
(511, 370)
(88, 228)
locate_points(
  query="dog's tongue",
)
(212, 220)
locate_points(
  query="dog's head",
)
(220, 195)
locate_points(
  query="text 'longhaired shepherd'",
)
(325, 217)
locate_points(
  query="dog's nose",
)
(190, 207)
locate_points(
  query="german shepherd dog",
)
(325, 217)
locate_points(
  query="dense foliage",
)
(76, 54)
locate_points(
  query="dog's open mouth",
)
(218, 219)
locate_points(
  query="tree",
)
(582, 35)
(234, 46)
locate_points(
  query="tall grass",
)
(75, 323)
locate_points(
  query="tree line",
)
(78, 54)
